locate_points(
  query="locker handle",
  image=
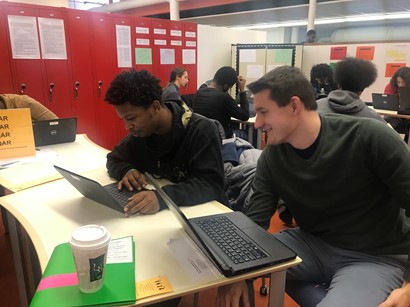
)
(50, 92)
(77, 84)
(22, 88)
(99, 89)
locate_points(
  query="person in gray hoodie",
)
(352, 76)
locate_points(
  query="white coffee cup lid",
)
(90, 236)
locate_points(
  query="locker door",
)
(163, 55)
(104, 55)
(27, 72)
(143, 44)
(190, 55)
(6, 81)
(55, 60)
(127, 22)
(81, 81)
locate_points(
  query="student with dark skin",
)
(166, 139)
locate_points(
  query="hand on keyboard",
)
(144, 202)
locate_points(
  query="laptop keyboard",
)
(121, 196)
(223, 233)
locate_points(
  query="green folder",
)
(118, 288)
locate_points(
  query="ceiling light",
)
(322, 21)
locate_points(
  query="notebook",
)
(107, 195)
(385, 101)
(59, 283)
(254, 247)
(54, 131)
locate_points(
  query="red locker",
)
(189, 55)
(6, 81)
(56, 63)
(123, 24)
(163, 55)
(143, 44)
(104, 62)
(81, 77)
(27, 73)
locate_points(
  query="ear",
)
(296, 104)
(156, 106)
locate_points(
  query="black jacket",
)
(188, 156)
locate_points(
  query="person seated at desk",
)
(177, 79)
(166, 139)
(353, 76)
(38, 111)
(345, 179)
(215, 102)
(322, 80)
(400, 78)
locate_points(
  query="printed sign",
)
(16, 133)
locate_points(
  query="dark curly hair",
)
(283, 83)
(138, 88)
(354, 74)
(402, 72)
(324, 73)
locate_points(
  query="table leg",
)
(26, 262)
(15, 245)
(277, 289)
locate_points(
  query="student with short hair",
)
(345, 179)
(166, 139)
(215, 102)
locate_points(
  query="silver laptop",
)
(54, 131)
(107, 195)
(385, 101)
(232, 241)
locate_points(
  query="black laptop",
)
(107, 195)
(404, 101)
(385, 101)
(232, 241)
(54, 131)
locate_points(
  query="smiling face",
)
(278, 122)
(139, 121)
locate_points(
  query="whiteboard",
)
(387, 56)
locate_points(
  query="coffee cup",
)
(89, 245)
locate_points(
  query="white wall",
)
(214, 48)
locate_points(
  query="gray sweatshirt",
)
(346, 102)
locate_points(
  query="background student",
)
(215, 102)
(401, 78)
(344, 179)
(165, 139)
(177, 79)
(322, 80)
(37, 110)
(353, 76)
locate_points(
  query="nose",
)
(258, 122)
(127, 125)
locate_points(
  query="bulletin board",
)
(252, 61)
(387, 56)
